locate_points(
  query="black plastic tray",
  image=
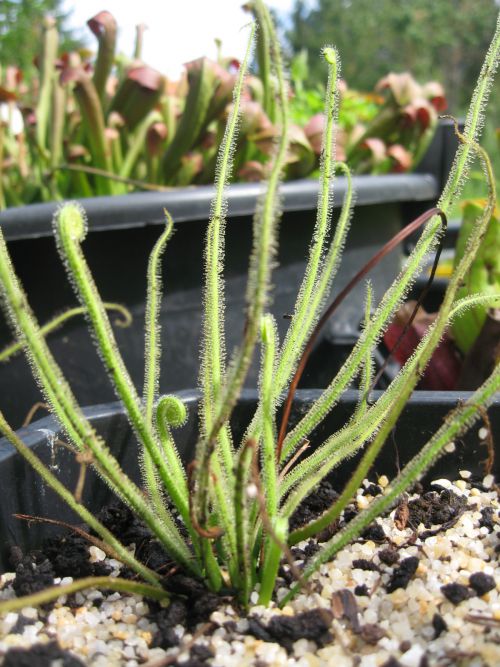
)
(22, 491)
(124, 229)
(118, 258)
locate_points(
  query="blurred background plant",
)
(82, 124)
(21, 32)
(77, 118)
(386, 130)
(418, 36)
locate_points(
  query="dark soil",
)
(456, 593)
(375, 532)
(439, 625)
(479, 584)
(314, 505)
(41, 655)
(65, 556)
(285, 630)
(200, 653)
(402, 574)
(311, 548)
(21, 623)
(486, 520)
(373, 489)
(391, 662)
(199, 602)
(320, 500)
(434, 508)
(361, 589)
(363, 564)
(120, 520)
(33, 573)
(69, 556)
(192, 604)
(167, 619)
(482, 583)
(388, 556)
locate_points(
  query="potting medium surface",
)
(421, 587)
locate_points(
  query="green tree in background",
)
(434, 39)
(21, 30)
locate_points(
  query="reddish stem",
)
(419, 302)
(386, 249)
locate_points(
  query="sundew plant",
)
(225, 517)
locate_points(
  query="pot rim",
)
(140, 209)
(34, 433)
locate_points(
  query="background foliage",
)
(21, 30)
(374, 38)
(443, 40)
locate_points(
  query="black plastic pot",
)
(122, 233)
(22, 491)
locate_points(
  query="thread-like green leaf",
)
(64, 404)
(70, 230)
(455, 425)
(87, 517)
(106, 583)
(58, 321)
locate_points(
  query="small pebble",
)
(437, 581)
(96, 555)
(445, 483)
(362, 502)
(488, 481)
(412, 657)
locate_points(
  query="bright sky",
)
(178, 30)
